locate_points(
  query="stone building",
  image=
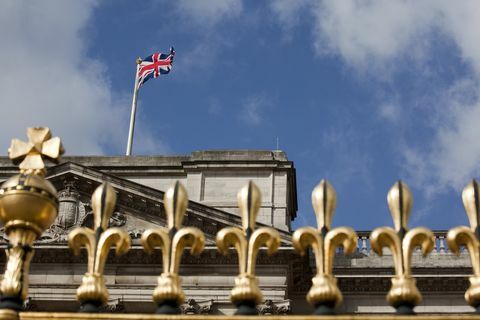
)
(212, 179)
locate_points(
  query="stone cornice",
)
(143, 200)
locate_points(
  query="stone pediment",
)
(139, 207)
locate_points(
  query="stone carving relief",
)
(193, 307)
(29, 305)
(72, 212)
(114, 306)
(269, 307)
(70, 209)
(75, 210)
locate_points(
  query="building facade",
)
(212, 179)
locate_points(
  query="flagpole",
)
(134, 110)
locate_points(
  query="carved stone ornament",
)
(274, 308)
(113, 306)
(29, 305)
(191, 306)
(74, 213)
(70, 210)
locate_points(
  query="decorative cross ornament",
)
(28, 206)
(29, 155)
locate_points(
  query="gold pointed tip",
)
(471, 202)
(103, 200)
(324, 201)
(399, 199)
(176, 192)
(104, 192)
(175, 202)
(249, 200)
(249, 190)
(322, 186)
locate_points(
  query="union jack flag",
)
(155, 65)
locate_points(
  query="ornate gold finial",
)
(403, 295)
(469, 237)
(93, 292)
(247, 241)
(30, 154)
(168, 294)
(28, 206)
(324, 293)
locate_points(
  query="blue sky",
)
(361, 93)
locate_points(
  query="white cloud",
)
(47, 78)
(381, 37)
(389, 111)
(207, 13)
(453, 156)
(371, 32)
(253, 109)
(376, 32)
(288, 12)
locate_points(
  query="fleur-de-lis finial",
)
(469, 237)
(399, 201)
(403, 295)
(324, 293)
(247, 241)
(324, 201)
(93, 292)
(168, 294)
(29, 155)
(28, 206)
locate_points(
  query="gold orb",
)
(28, 199)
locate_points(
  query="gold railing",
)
(103, 316)
(28, 206)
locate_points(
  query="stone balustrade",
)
(441, 246)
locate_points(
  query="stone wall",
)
(212, 178)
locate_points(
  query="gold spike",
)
(168, 294)
(468, 237)
(403, 294)
(103, 204)
(399, 201)
(93, 292)
(249, 201)
(470, 197)
(175, 202)
(247, 241)
(324, 201)
(324, 293)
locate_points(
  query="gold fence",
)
(28, 206)
(103, 316)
